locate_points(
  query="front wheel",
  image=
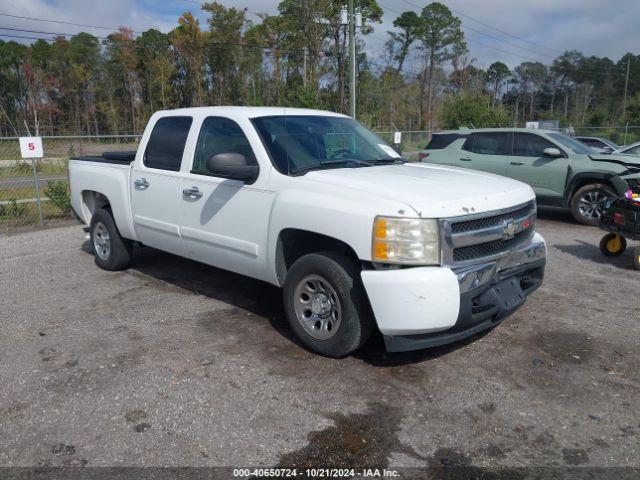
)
(111, 251)
(326, 305)
(636, 258)
(588, 203)
(613, 245)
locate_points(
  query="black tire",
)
(599, 193)
(636, 258)
(609, 248)
(120, 249)
(343, 276)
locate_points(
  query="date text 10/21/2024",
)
(315, 473)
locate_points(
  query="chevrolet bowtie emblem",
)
(512, 227)
(509, 230)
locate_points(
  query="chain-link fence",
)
(621, 135)
(36, 193)
(411, 142)
(33, 196)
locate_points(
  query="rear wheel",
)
(111, 251)
(588, 202)
(613, 245)
(326, 305)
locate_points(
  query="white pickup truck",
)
(316, 203)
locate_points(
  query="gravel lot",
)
(176, 363)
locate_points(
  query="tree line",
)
(424, 78)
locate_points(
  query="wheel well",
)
(294, 243)
(92, 202)
(581, 182)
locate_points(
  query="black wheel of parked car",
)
(326, 305)
(589, 201)
(613, 245)
(111, 251)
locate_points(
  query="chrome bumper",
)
(474, 276)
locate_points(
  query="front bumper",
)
(429, 306)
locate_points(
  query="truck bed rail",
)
(120, 158)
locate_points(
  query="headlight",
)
(406, 241)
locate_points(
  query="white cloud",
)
(594, 27)
(113, 13)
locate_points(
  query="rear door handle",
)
(517, 163)
(192, 192)
(141, 183)
(466, 159)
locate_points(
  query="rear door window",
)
(166, 143)
(488, 143)
(442, 140)
(530, 145)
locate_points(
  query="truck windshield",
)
(572, 144)
(300, 143)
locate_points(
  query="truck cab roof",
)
(246, 111)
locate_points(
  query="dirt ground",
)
(173, 363)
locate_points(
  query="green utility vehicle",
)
(562, 171)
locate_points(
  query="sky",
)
(511, 31)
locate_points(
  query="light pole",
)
(352, 18)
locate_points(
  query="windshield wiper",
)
(386, 160)
(345, 161)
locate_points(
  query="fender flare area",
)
(584, 178)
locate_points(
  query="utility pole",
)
(304, 68)
(626, 85)
(351, 18)
(352, 61)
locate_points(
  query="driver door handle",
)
(465, 159)
(192, 192)
(517, 163)
(141, 183)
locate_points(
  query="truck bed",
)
(93, 178)
(119, 158)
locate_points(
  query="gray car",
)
(633, 149)
(599, 144)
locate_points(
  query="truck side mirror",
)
(232, 165)
(552, 152)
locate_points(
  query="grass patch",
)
(18, 168)
(14, 213)
(20, 193)
(57, 191)
(27, 214)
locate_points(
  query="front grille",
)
(488, 249)
(488, 222)
(481, 236)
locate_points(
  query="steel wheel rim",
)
(317, 307)
(101, 241)
(591, 204)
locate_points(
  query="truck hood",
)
(433, 191)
